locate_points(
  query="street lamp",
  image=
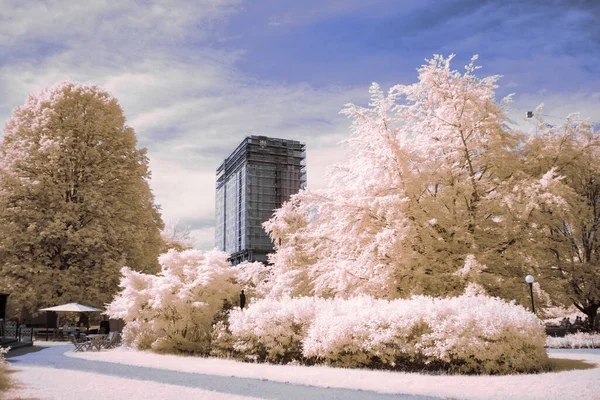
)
(529, 279)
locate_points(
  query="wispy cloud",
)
(190, 105)
(195, 78)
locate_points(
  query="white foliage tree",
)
(572, 150)
(174, 310)
(433, 197)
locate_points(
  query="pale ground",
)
(577, 384)
(53, 384)
(49, 383)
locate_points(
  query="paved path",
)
(53, 357)
(594, 352)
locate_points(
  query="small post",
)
(242, 300)
(529, 279)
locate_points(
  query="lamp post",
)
(529, 279)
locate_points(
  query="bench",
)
(561, 331)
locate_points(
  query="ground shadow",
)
(566, 364)
(23, 350)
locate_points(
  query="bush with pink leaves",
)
(3, 351)
(466, 334)
(269, 330)
(174, 310)
(579, 340)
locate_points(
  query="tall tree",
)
(573, 151)
(433, 198)
(75, 205)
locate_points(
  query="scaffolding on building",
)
(256, 179)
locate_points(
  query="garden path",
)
(54, 357)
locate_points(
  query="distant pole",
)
(242, 300)
(529, 279)
(46, 325)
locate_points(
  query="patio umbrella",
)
(70, 307)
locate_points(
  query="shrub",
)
(174, 310)
(5, 382)
(574, 341)
(271, 330)
(481, 334)
(3, 351)
(364, 332)
(466, 334)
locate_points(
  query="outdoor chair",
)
(112, 341)
(81, 344)
(70, 331)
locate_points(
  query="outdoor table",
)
(65, 333)
(96, 340)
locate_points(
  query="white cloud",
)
(189, 108)
(93, 22)
(203, 238)
(183, 164)
(181, 91)
(183, 192)
(313, 11)
(279, 20)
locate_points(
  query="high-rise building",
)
(257, 178)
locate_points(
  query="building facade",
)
(257, 178)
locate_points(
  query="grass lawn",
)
(5, 382)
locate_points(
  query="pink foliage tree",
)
(174, 310)
(439, 192)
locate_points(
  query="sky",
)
(194, 78)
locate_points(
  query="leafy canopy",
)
(75, 205)
(439, 192)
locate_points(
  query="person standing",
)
(242, 300)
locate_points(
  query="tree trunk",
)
(591, 310)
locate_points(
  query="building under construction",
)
(257, 178)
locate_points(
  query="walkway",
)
(54, 357)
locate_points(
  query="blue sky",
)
(388, 40)
(194, 78)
